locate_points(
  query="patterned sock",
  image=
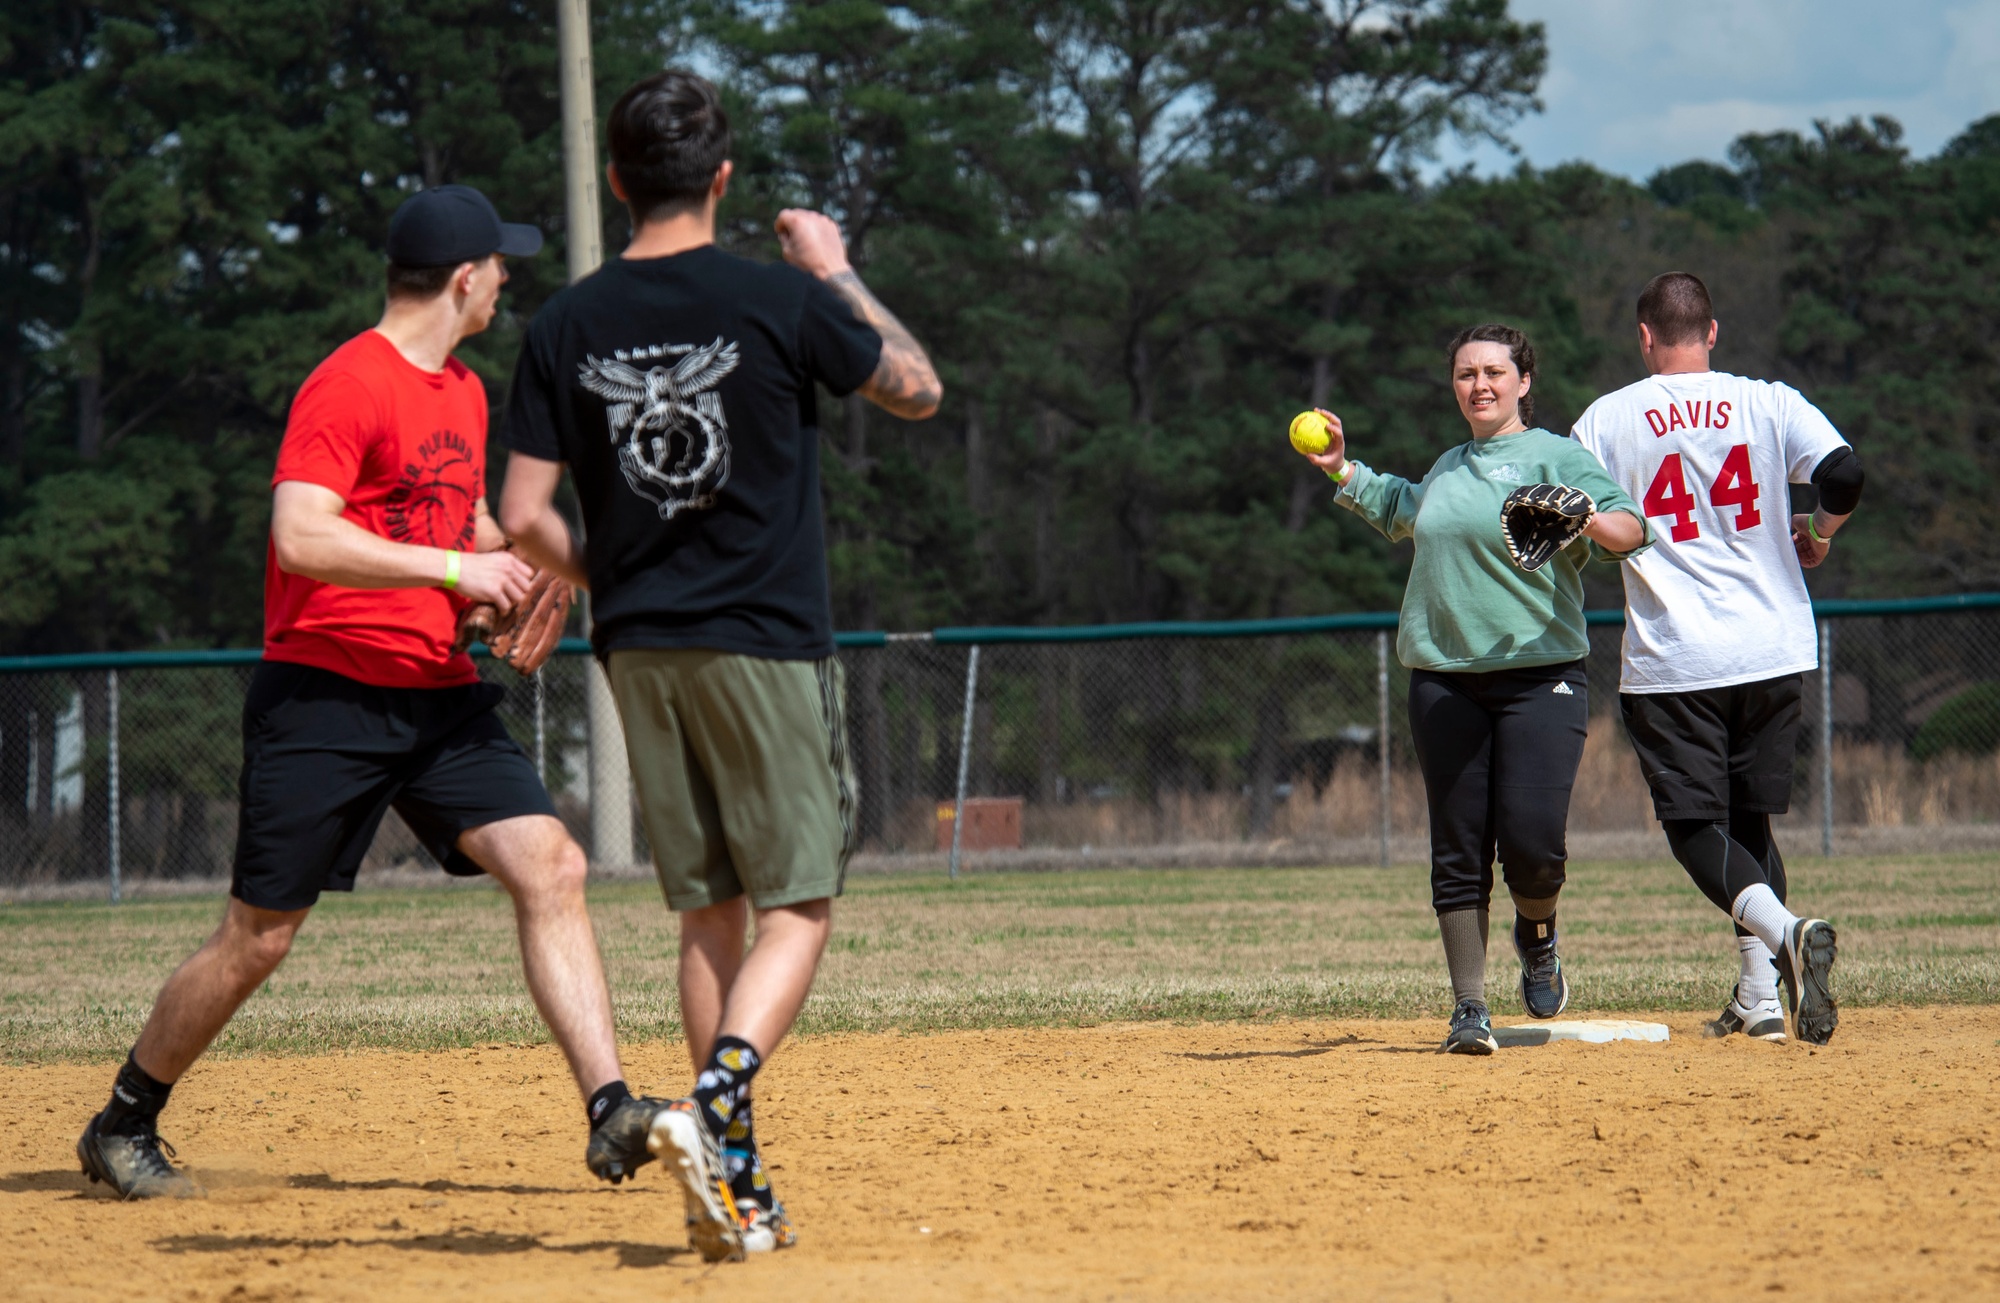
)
(746, 1166)
(136, 1100)
(730, 1067)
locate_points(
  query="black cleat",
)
(1544, 989)
(132, 1164)
(618, 1143)
(1804, 966)
(1471, 1030)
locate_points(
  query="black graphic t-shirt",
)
(680, 390)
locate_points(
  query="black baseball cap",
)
(451, 224)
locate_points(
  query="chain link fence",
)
(126, 772)
(1261, 743)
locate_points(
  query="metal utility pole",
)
(610, 773)
(1382, 732)
(1826, 737)
(964, 758)
(111, 777)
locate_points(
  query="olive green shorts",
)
(741, 768)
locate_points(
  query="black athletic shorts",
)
(325, 757)
(1709, 752)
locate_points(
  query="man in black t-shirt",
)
(678, 383)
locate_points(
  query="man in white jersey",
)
(1719, 628)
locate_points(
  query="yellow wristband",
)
(1346, 473)
(1814, 531)
(450, 570)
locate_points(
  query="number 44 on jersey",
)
(1668, 494)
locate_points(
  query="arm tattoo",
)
(904, 381)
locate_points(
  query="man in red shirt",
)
(379, 537)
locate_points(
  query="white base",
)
(1595, 1031)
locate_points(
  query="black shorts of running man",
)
(326, 757)
(1716, 751)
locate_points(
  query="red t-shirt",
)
(407, 449)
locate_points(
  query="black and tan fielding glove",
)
(525, 636)
(1540, 520)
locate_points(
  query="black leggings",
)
(1724, 856)
(1499, 751)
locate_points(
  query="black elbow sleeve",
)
(1839, 479)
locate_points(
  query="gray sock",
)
(1465, 952)
(1533, 919)
(1535, 910)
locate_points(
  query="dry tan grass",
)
(414, 969)
(1874, 787)
(1881, 787)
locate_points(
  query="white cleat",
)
(1762, 1021)
(765, 1232)
(685, 1146)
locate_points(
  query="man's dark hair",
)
(668, 135)
(1519, 351)
(1675, 306)
(419, 283)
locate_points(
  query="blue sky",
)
(1634, 86)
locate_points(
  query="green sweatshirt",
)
(1468, 607)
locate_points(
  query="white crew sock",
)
(1760, 972)
(1760, 910)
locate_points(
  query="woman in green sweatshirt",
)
(1498, 704)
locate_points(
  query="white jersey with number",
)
(1719, 598)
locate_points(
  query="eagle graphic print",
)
(666, 417)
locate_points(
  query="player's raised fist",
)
(811, 242)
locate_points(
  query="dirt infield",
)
(1291, 1160)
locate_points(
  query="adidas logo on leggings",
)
(1562, 690)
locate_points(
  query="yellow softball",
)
(1310, 434)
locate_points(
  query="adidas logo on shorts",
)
(1562, 690)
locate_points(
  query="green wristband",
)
(451, 560)
(1811, 529)
(1346, 473)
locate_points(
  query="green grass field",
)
(425, 969)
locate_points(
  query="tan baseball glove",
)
(526, 636)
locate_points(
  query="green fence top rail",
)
(1836, 608)
(194, 659)
(1839, 607)
(1833, 608)
(991, 634)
